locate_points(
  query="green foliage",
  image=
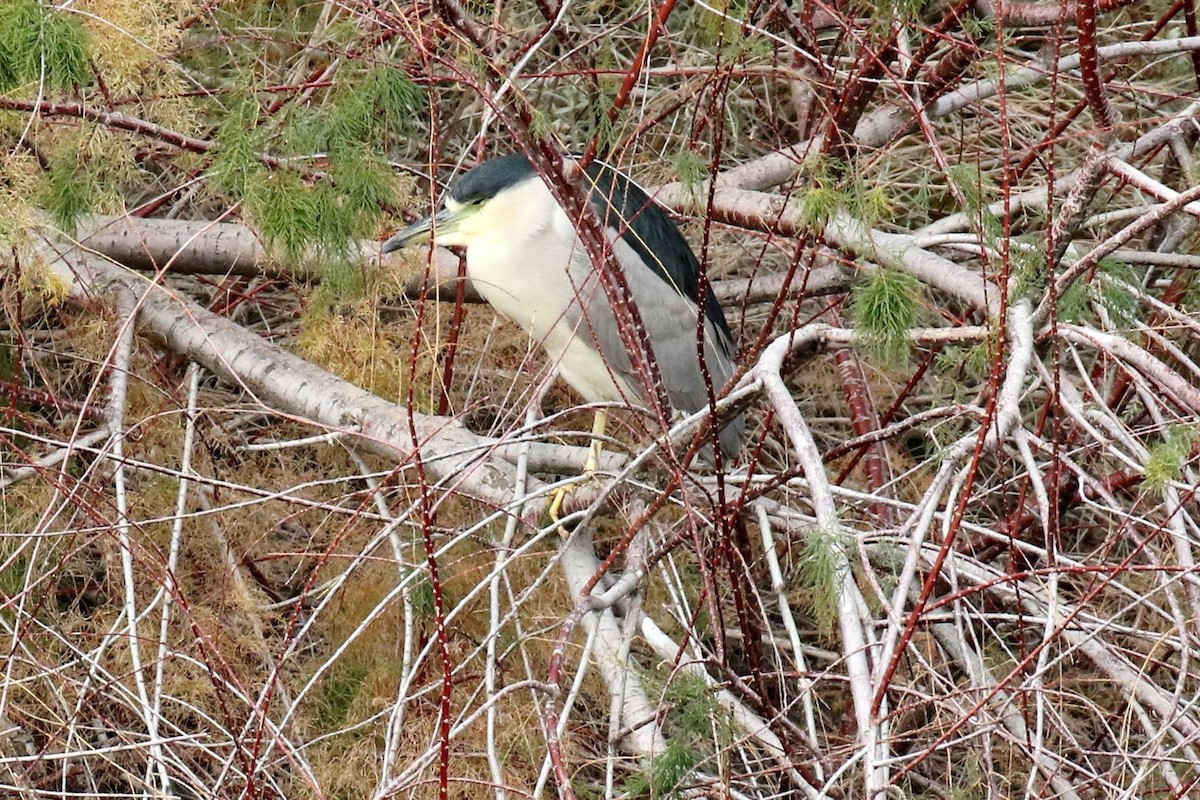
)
(421, 597)
(821, 572)
(280, 15)
(1029, 269)
(695, 709)
(39, 42)
(727, 35)
(541, 124)
(1107, 289)
(975, 187)
(884, 307)
(298, 215)
(597, 124)
(990, 226)
(1164, 464)
(708, 29)
(823, 196)
(665, 776)
(65, 50)
(872, 205)
(890, 14)
(907, 10)
(978, 25)
(819, 206)
(697, 729)
(359, 185)
(20, 48)
(1074, 303)
(691, 168)
(977, 190)
(833, 186)
(722, 37)
(68, 189)
(13, 576)
(1122, 306)
(340, 281)
(236, 161)
(471, 60)
(365, 109)
(970, 364)
(971, 780)
(339, 690)
(284, 211)
(744, 47)
(295, 217)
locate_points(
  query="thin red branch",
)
(1089, 67)
(657, 24)
(112, 119)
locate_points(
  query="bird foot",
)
(581, 492)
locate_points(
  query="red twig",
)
(631, 76)
(456, 321)
(113, 119)
(1089, 66)
(864, 420)
(62, 405)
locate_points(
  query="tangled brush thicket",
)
(273, 509)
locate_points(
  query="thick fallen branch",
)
(207, 247)
(214, 248)
(288, 384)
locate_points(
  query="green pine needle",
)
(69, 189)
(968, 365)
(975, 188)
(541, 124)
(284, 211)
(332, 226)
(1108, 289)
(597, 124)
(1073, 304)
(694, 706)
(873, 205)
(665, 776)
(397, 99)
(1029, 269)
(691, 168)
(65, 49)
(366, 109)
(236, 164)
(884, 307)
(40, 43)
(339, 689)
(364, 184)
(1164, 465)
(819, 205)
(822, 572)
(1122, 306)
(298, 217)
(422, 599)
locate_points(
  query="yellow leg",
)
(599, 423)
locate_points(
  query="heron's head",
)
(488, 200)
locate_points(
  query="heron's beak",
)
(422, 231)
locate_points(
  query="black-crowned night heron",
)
(525, 258)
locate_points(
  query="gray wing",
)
(670, 320)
